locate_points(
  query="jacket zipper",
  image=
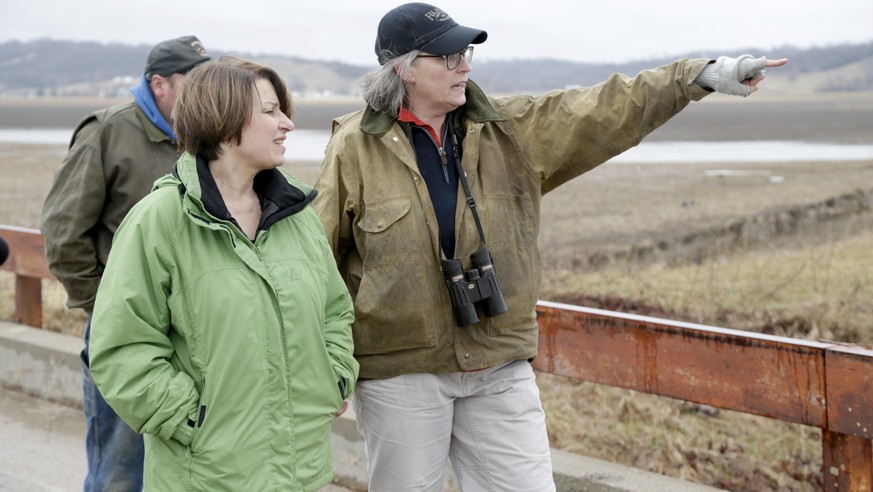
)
(445, 162)
(407, 129)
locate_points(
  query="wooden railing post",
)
(847, 459)
(847, 462)
(27, 261)
(28, 301)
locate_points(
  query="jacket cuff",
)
(184, 432)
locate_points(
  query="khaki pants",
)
(490, 423)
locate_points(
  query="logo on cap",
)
(199, 48)
(437, 15)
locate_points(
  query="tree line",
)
(51, 67)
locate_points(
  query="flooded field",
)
(66, 112)
(839, 118)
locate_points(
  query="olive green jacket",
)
(115, 156)
(377, 213)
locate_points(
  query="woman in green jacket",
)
(221, 329)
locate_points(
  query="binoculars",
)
(474, 287)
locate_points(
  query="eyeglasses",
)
(453, 60)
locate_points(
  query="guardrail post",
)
(27, 261)
(28, 301)
(847, 462)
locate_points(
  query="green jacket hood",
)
(282, 195)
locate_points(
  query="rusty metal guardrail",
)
(819, 384)
(27, 261)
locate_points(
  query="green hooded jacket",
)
(379, 219)
(230, 356)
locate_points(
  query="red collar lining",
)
(406, 116)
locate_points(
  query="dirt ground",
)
(618, 206)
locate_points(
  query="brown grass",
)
(814, 284)
(720, 448)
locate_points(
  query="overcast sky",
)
(344, 30)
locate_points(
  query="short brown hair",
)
(215, 103)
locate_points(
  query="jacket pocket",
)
(394, 252)
(197, 424)
(511, 230)
(380, 216)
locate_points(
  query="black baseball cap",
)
(175, 56)
(419, 26)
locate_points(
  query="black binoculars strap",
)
(463, 177)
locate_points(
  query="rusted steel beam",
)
(850, 390)
(27, 261)
(28, 301)
(775, 377)
(847, 463)
(26, 252)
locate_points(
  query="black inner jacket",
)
(278, 197)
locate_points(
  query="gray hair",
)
(383, 89)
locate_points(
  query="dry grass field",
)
(814, 281)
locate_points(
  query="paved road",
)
(41, 446)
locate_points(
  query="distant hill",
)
(66, 68)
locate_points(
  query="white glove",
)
(726, 74)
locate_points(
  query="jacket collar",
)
(152, 132)
(279, 197)
(477, 109)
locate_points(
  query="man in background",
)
(115, 156)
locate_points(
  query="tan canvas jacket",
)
(377, 213)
